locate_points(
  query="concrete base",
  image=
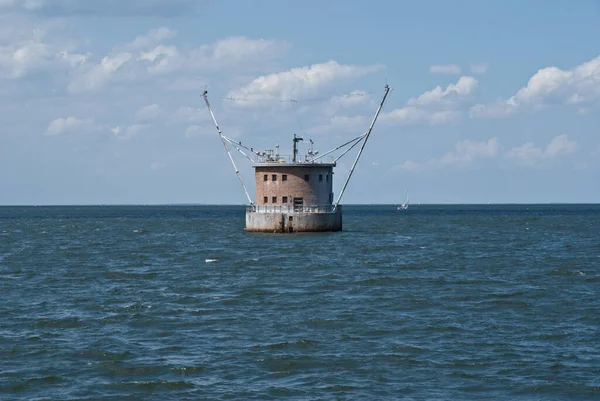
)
(288, 222)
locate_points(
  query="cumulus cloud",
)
(298, 82)
(27, 49)
(529, 155)
(128, 131)
(153, 37)
(467, 153)
(235, 51)
(548, 87)
(63, 125)
(448, 69)
(437, 106)
(99, 74)
(147, 56)
(162, 59)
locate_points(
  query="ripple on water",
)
(440, 303)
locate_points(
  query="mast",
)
(387, 90)
(204, 95)
(296, 140)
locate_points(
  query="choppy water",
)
(433, 303)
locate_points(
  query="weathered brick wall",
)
(313, 191)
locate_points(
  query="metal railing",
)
(293, 209)
(300, 159)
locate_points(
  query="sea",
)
(437, 302)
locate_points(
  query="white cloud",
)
(467, 151)
(163, 59)
(235, 51)
(465, 154)
(479, 68)
(408, 166)
(64, 125)
(153, 37)
(22, 51)
(128, 132)
(298, 82)
(448, 69)
(453, 92)
(437, 106)
(550, 86)
(99, 74)
(529, 155)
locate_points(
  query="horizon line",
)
(343, 204)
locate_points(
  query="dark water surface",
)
(433, 303)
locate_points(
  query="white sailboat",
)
(404, 204)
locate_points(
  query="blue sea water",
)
(494, 302)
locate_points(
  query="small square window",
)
(266, 177)
(320, 177)
(274, 199)
(284, 199)
(274, 177)
(283, 177)
(306, 177)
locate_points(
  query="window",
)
(284, 199)
(283, 177)
(320, 177)
(274, 177)
(266, 199)
(326, 177)
(265, 178)
(274, 199)
(306, 177)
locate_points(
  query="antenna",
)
(296, 140)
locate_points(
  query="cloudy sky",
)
(100, 101)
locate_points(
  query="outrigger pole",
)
(204, 95)
(387, 90)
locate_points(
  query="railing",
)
(301, 159)
(292, 209)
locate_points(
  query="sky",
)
(101, 101)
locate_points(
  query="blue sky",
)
(100, 102)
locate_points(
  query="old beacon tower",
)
(294, 193)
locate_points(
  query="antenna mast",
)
(204, 95)
(296, 140)
(387, 90)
